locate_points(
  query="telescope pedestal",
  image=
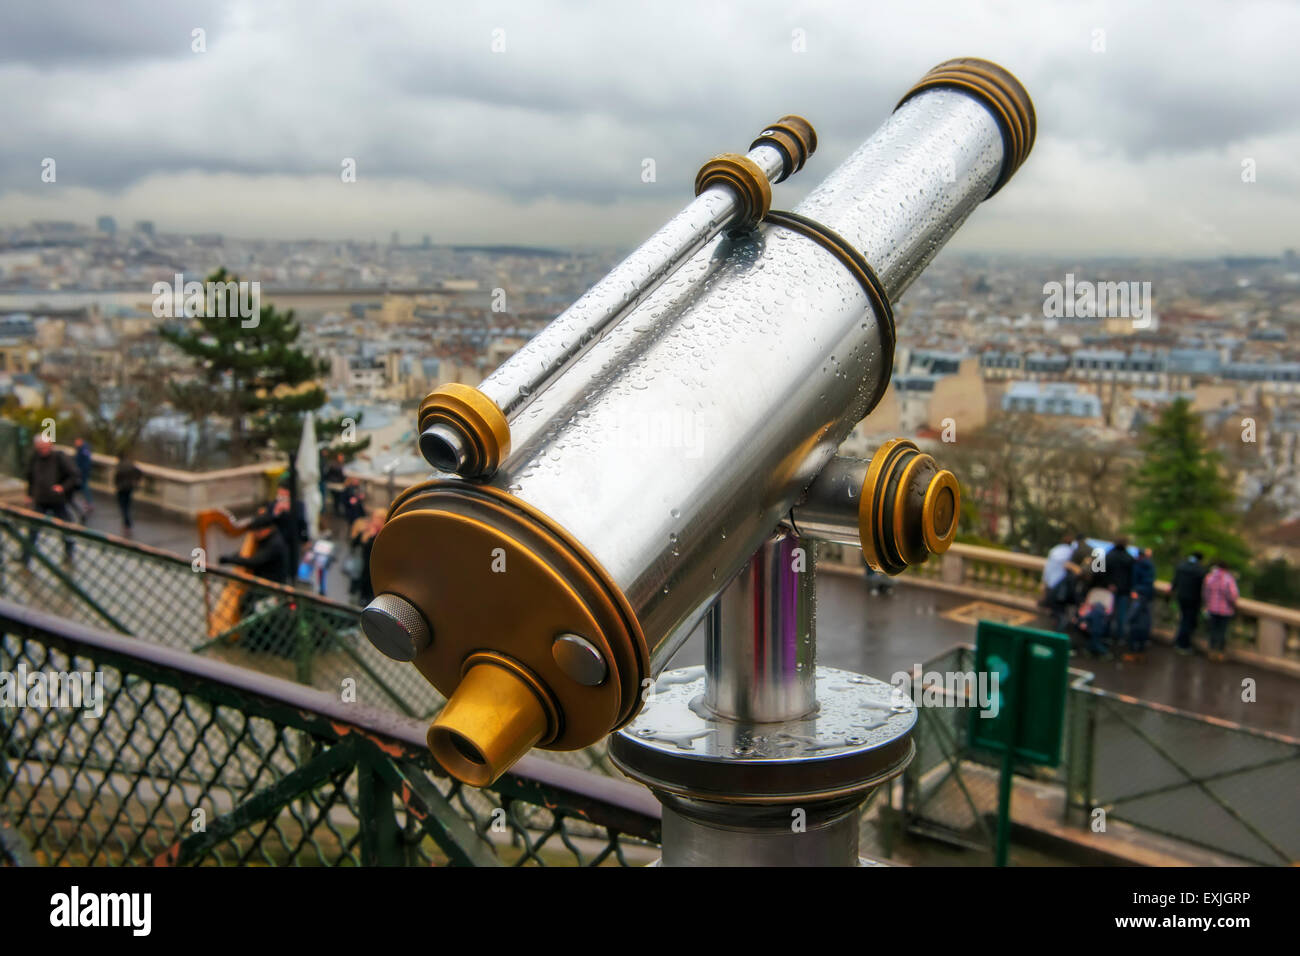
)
(760, 758)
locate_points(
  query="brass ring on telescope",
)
(1005, 96)
(871, 520)
(794, 138)
(745, 178)
(908, 536)
(473, 416)
(800, 127)
(908, 507)
(857, 264)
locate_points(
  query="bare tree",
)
(115, 409)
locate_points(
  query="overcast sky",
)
(1140, 144)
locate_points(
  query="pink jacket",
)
(1220, 593)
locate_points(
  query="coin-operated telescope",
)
(662, 456)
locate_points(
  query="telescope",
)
(662, 457)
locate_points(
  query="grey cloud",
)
(585, 91)
(52, 33)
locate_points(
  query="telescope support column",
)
(761, 758)
(761, 644)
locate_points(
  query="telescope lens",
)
(443, 448)
(943, 510)
(492, 719)
(466, 749)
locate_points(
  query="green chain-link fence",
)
(169, 600)
(197, 762)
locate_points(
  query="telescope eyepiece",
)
(444, 448)
(462, 431)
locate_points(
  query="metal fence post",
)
(1089, 751)
(304, 617)
(382, 842)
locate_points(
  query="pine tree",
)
(1182, 502)
(265, 383)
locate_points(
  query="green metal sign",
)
(1028, 674)
(1028, 670)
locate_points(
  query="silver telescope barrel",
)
(668, 452)
(731, 190)
(832, 504)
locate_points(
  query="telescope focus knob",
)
(396, 627)
(908, 509)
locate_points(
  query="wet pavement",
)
(883, 634)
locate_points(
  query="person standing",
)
(354, 500)
(287, 515)
(1118, 577)
(126, 478)
(1082, 559)
(1221, 598)
(50, 482)
(1139, 616)
(85, 463)
(1057, 581)
(1094, 618)
(1189, 578)
(333, 479)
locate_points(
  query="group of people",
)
(1106, 594)
(61, 489)
(345, 491)
(285, 544)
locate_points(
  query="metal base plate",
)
(859, 736)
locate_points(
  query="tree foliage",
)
(115, 412)
(264, 382)
(1182, 501)
(1027, 480)
(34, 420)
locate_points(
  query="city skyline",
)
(1156, 137)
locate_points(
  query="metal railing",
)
(192, 761)
(1204, 781)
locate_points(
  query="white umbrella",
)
(308, 468)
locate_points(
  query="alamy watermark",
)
(62, 690)
(1084, 299)
(665, 429)
(950, 689)
(131, 911)
(217, 299)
